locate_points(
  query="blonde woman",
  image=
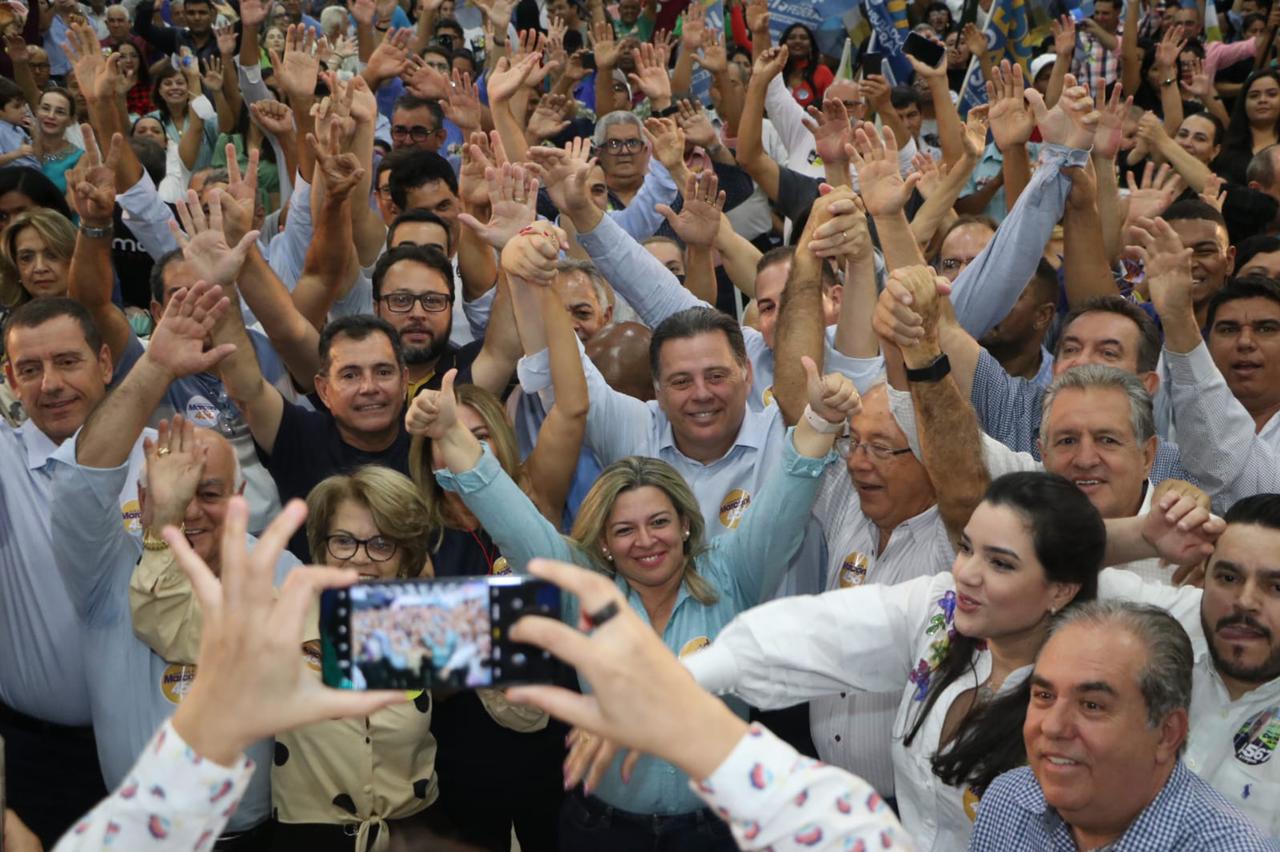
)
(37, 248)
(641, 524)
(499, 765)
(353, 784)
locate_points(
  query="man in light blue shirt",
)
(59, 368)
(131, 689)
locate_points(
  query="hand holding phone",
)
(927, 51)
(872, 63)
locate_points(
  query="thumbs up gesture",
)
(833, 396)
(432, 413)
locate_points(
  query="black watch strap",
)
(935, 372)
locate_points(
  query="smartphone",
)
(872, 63)
(926, 50)
(449, 633)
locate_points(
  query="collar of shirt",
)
(752, 434)
(39, 445)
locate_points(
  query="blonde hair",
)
(627, 475)
(398, 510)
(502, 443)
(58, 233)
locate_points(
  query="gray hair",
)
(333, 16)
(1141, 415)
(587, 268)
(618, 116)
(1165, 678)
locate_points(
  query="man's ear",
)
(1173, 733)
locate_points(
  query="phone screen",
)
(445, 633)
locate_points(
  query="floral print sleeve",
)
(172, 799)
(775, 798)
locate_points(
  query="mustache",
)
(1243, 621)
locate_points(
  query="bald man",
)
(191, 476)
(621, 354)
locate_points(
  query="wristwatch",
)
(97, 233)
(935, 372)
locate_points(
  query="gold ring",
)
(163, 451)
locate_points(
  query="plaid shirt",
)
(1093, 62)
(1187, 814)
(1009, 410)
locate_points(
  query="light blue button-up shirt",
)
(742, 568)
(42, 667)
(131, 689)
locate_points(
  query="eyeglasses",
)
(378, 548)
(954, 264)
(846, 447)
(617, 146)
(402, 303)
(418, 133)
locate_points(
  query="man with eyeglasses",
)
(417, 124)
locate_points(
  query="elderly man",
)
(1226, 389)
(1104, 731)
(59, 368)
(132, 689)
(1097, 430)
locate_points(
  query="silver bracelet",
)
(102, 233)
(820, 424)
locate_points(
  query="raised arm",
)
(1011, 126)
(950, 127)
(92, 191)
(950, 440)
(329, 267)
(555, 453)
(885, 193)
(177, 349)
(1086, 270)
(750, 153)
(696, 225)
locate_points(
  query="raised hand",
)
(1180, 525)
(883, 189)
(531, 255)
(1166, 264)
(226, 36)
(695, 27)
(204, 245)
(695, 123)
(1168, 49)
(699, 218)
(175, 464)
(190, 71)
(1151, 130)
(253, 682)
(252, 12)
(1201, 85)
(974, 39)
(477, 156)
(298, 69)
(1158, 189)
(1011, 119)
(1111, 116)
(758, 16)
(427, 83)
(667, 140)
(555, 41)
(212, 76)
(513, 205)
(274, 117)
(178, 342)
(87, 62)
(342, 171)
(433, 412)
(547, 120)
(840, 225)
(1072, 122)
(605, 45)
(1214, 193)
(769, 64)
(1064, 36)
(364, 11)
(93, 183)
(833, 396)
(388, 59)
(831, 130)
(938, 71)
(462, 107)
(566, 173)
(650, 76)
(713, 57)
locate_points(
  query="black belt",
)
(31, 725)
(233, 840)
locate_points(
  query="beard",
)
(1266, 671)
(416, 356)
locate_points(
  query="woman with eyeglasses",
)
(355, 784)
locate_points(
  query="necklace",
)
(58, 154)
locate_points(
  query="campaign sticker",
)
(853, 570)
(733, 507)
(176, 681)
(1257, 738)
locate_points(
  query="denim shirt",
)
(742, 566)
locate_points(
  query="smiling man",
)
(1104, 729)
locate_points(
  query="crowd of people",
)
(911, 476)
